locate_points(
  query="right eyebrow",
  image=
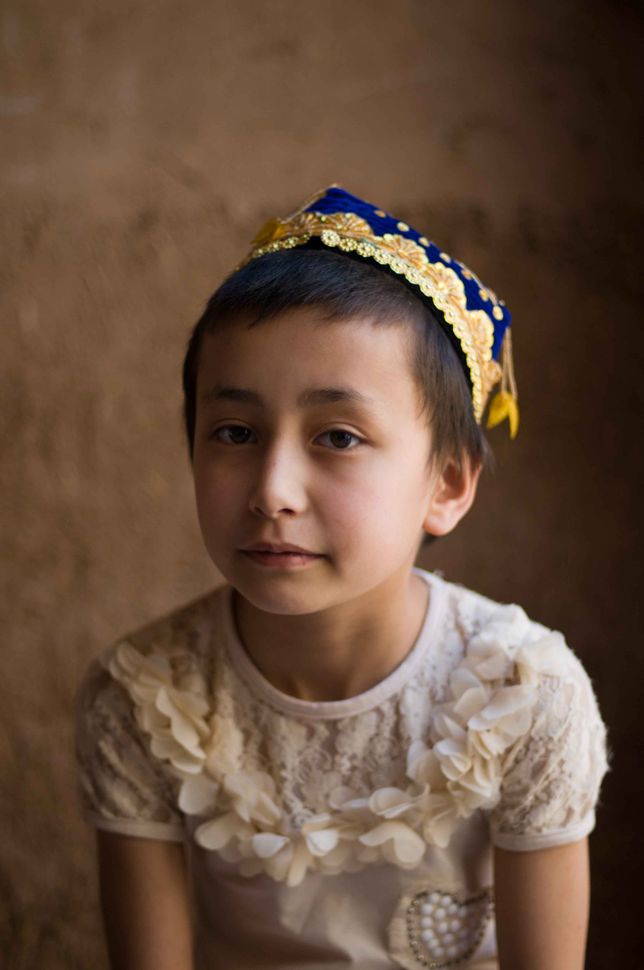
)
(308, 398)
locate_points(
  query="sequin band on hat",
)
(469, 311)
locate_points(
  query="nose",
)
(279, 482)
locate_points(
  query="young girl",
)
(337, 758)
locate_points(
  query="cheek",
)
(387, 502)
(215, 495)
(362, 508)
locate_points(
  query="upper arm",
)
(542, 905)
(145, 899)
(540, 826)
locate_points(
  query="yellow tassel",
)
(504, 405)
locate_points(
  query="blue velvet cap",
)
(478, 296)
(475, 320)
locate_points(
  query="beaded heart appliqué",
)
(439, 929)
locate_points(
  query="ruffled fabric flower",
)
(489, 707)
(172, 715)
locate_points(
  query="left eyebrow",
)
(308, 398)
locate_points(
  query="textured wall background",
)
(143, 145)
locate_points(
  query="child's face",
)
(344, 479)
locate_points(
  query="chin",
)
(280, 594)
(280, 602)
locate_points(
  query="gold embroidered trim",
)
(350, 233)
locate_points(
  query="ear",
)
(452, 494)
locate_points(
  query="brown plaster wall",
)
(142, 146)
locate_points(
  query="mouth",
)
(279, 548)
(288, 559)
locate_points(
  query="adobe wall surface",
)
(143, 145)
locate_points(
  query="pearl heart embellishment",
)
(441, 929)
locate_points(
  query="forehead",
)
(299, 359)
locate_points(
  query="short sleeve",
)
(122, 787)
(551, 781)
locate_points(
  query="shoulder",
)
(189, 627)
(140, 719)
(186, 634)
(474, 610)
(489, 628)
(520, 731)
(172, 654)
(517, 679)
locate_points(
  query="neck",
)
(337, 653)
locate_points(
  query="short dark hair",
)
(345, 286)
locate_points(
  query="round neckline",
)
(347, 707)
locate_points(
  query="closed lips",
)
(284, 552)
(281, 550)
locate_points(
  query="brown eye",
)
(341, 437)
(234, 428)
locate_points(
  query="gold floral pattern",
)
(349, 232)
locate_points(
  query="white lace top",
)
(353, 832)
